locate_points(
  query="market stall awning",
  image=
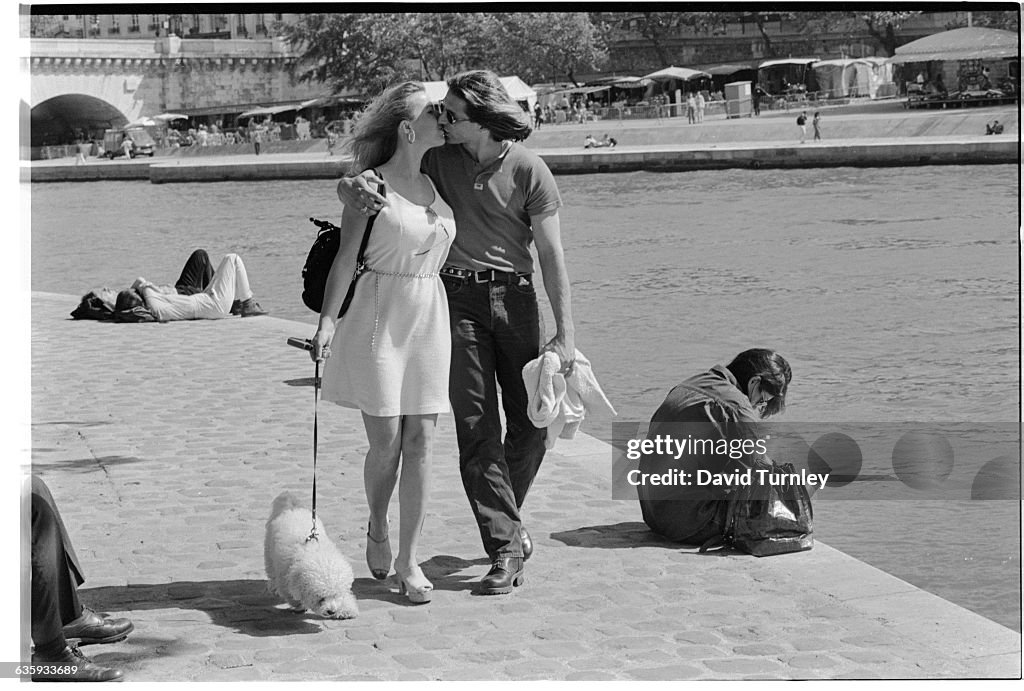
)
(838, 62)
(721, 70)
(620, 81)
(967, 43)
(167, 117)
(786, 61)
(631, 82)
(580, 90)
(680, 73)
(271, 110)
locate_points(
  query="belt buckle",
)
(489, 276)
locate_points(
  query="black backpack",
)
(800, 119)
(321, 258)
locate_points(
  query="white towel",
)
(560, 401)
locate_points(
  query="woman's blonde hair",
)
(375, 134)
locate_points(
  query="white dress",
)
(392, 349)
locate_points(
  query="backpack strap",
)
(361, 267)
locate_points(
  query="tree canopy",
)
(364, 51)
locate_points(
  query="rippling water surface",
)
(894, 294)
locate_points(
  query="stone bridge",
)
(81, 87)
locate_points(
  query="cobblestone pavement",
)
(164, 445)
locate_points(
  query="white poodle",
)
(309, 574)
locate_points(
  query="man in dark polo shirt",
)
(504, 198)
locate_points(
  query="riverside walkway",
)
(867, 139)
(164, 445)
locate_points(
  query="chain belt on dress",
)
(376, 295)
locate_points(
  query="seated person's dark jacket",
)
(707, 406)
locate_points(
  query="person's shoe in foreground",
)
(71, 665)
(91, 627)
(251, 308)
(506, 573)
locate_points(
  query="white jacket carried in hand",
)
(559, 401)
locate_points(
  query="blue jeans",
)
(496, 330)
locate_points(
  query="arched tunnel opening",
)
(71, 117)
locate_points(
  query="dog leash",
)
(316, 399)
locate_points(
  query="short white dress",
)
(392, 349)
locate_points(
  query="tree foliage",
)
(883, 27)
(362, 52)
(547, 46)
(1008, 20)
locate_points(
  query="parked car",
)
(142, 142)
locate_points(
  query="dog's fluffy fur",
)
(308, 574)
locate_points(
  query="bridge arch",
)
(63, 118)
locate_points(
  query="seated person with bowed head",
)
(995, 128)
(227, 293)
(58, 616)
(722, 403)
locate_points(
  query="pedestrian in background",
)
(816, 122)
(83, 150)
(801, 122)
(256, 135)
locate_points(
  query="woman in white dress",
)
(393, 346)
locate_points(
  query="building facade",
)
(93, 71)
(150, 26)
(630, 51)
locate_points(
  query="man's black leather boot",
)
(506, 573)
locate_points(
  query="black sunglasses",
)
(438, 110)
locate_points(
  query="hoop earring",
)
(411, 137)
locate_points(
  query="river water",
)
(894, 294)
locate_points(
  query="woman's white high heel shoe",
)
(415, 586)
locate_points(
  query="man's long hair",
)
(489, 105)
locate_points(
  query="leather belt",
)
(488, 276)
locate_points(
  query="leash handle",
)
(316, 399)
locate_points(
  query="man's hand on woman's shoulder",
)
(360, 192)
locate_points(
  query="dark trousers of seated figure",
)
(56, 573)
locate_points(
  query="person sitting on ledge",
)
(995, 128)
(57, 614)
(722, 403)
(227, 293)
